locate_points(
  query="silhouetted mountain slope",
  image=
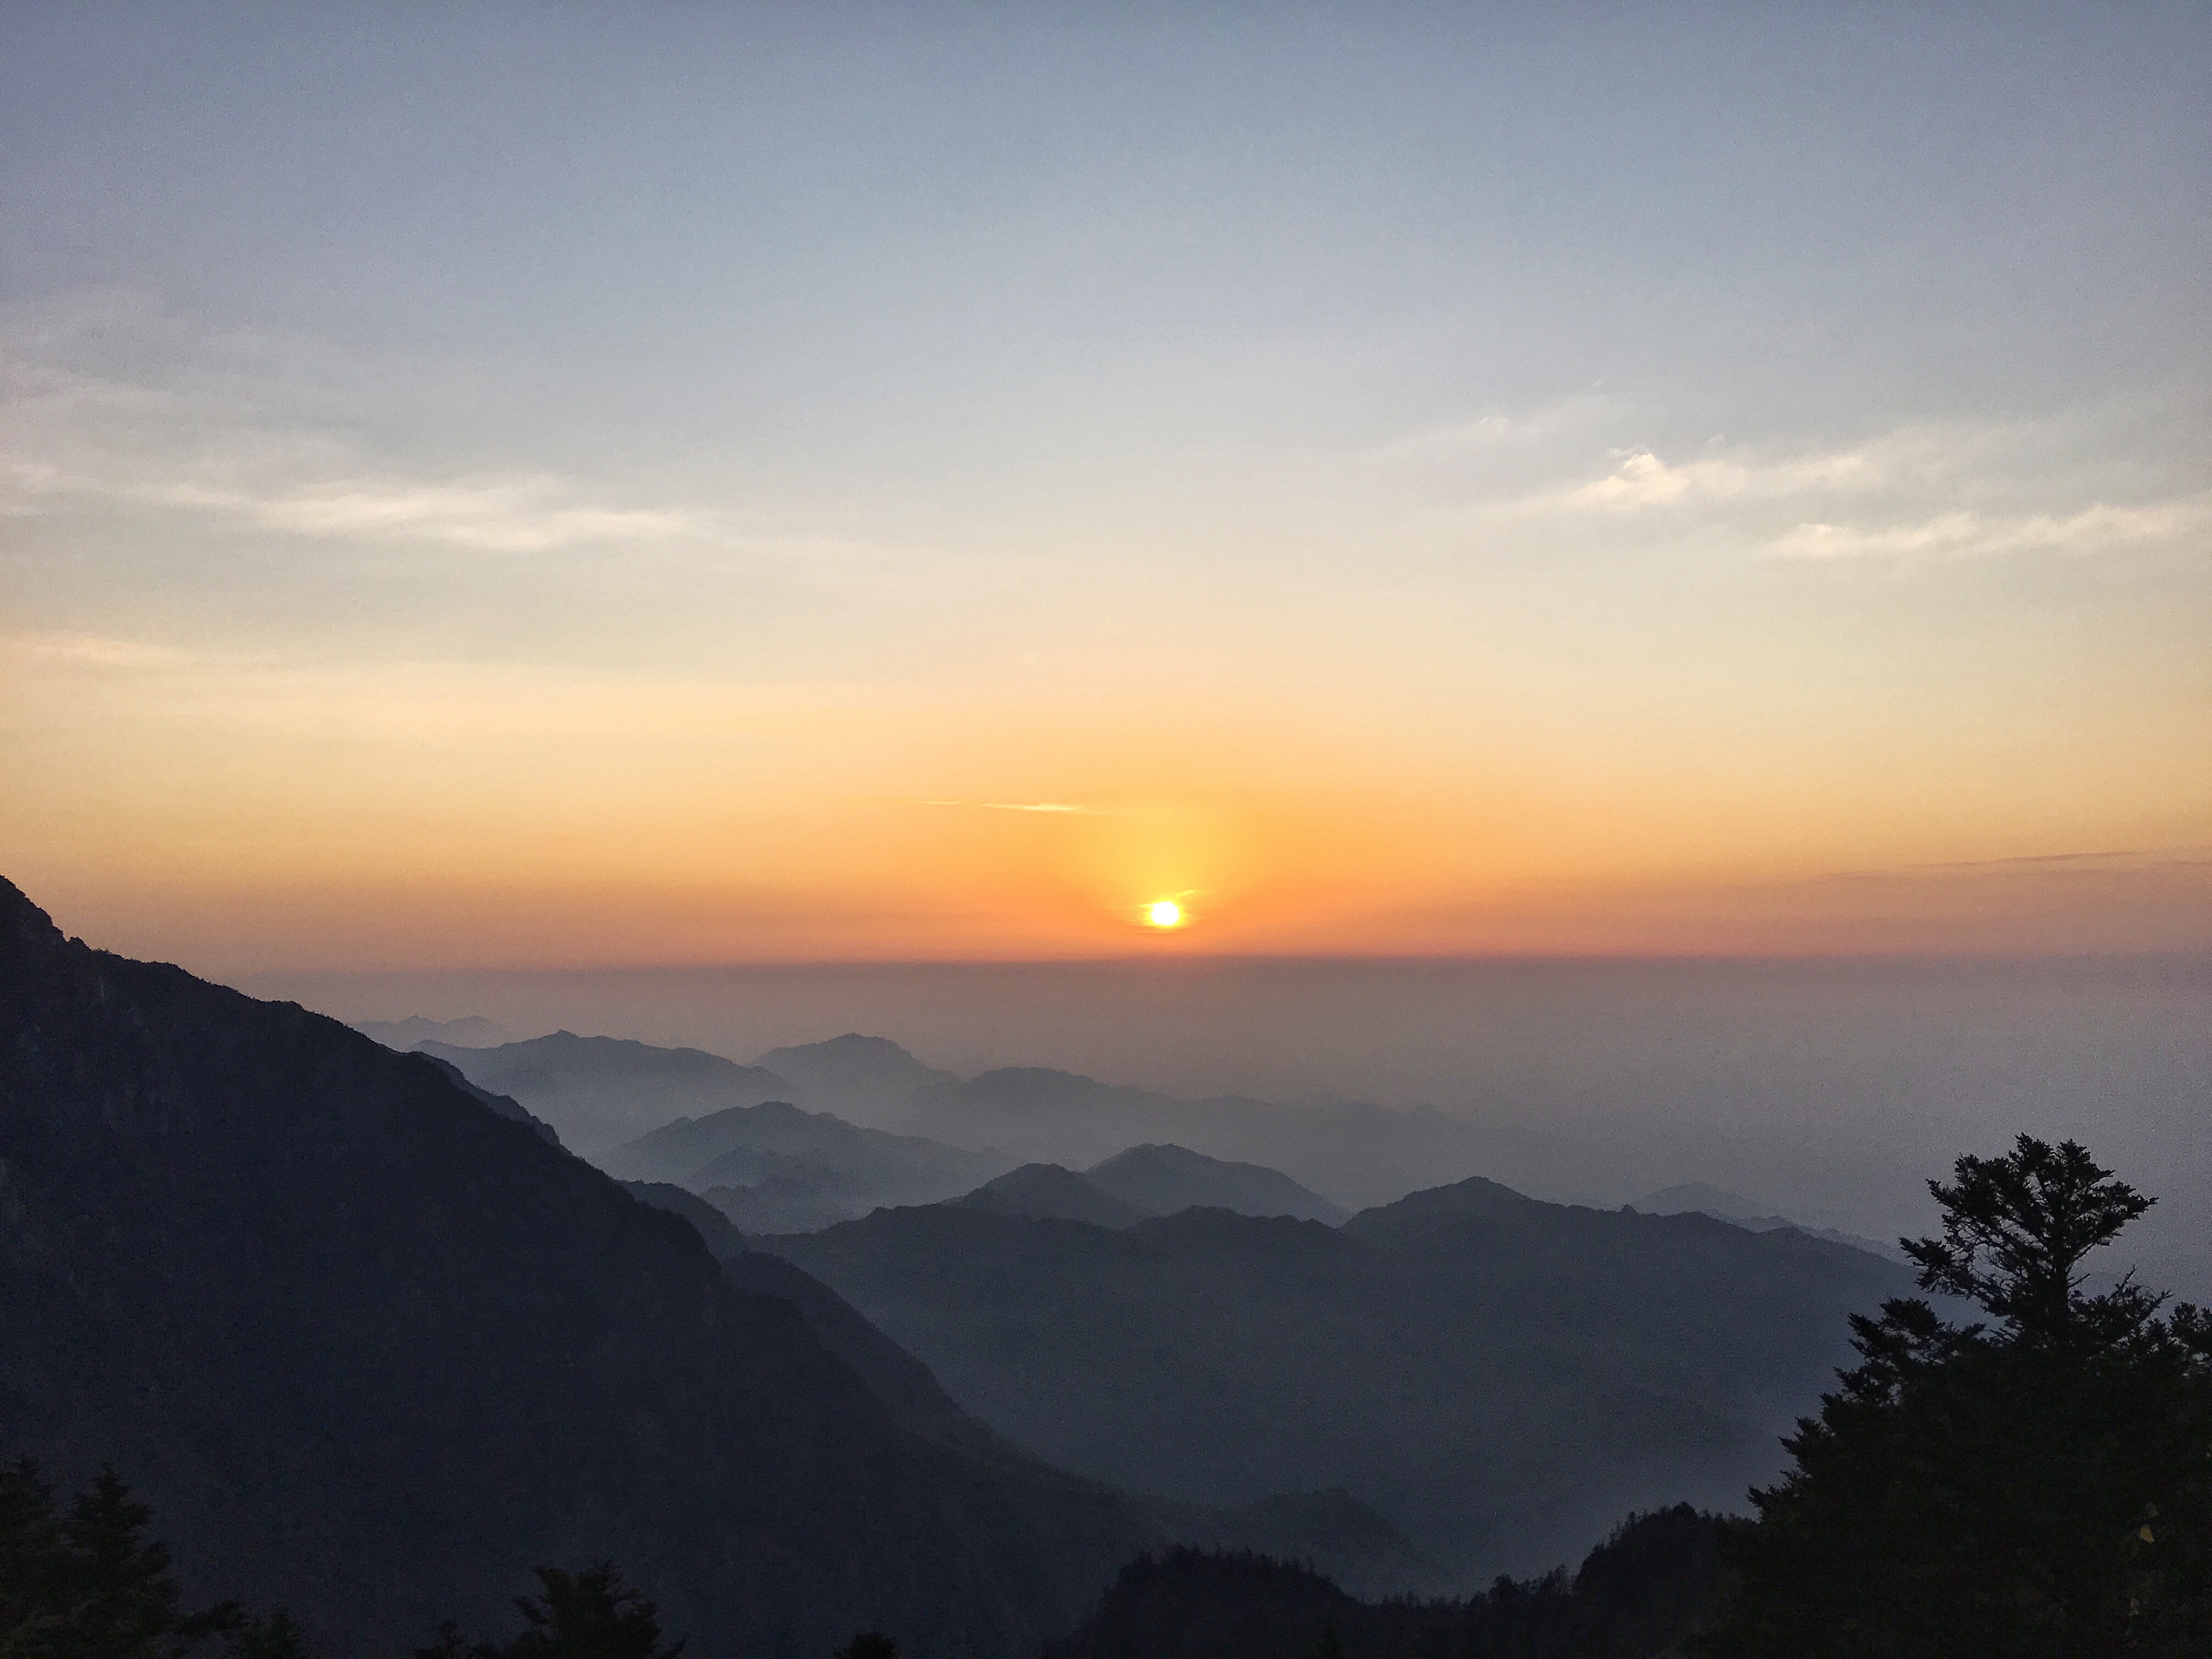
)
(1043, 1191)
(372, 1350)
(599, 1091)
(838, 1168)
(802, 1203)
(505, 1105)
(852, 1074)
(722, 1239)
(1161, 1179)
(1501, 1378)
(1638, 1595)
(1352, 1153)
(893, 1376)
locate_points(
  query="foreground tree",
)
(88, 1583)
(588, 1614)
(2035, 1487)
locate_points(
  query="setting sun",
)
(1164, 913)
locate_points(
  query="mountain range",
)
(776, 1168)
(601, 1093)
(1331, 1528)
(1146, 1180)
(472, 1031)
(1499, 1378)
(596, 1091)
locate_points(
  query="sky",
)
(529, 487)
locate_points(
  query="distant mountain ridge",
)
(1724, 1206)
(1161, 1180)
(774, 1168)
(1047, 1192)
(1351, 1153)
(472, 1031)
(1345, 1153)
(599, 1091)
(1143, 1181)
(852, 1074)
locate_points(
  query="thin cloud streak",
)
(1015, 805)
(2098, 528)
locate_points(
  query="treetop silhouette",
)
(2039, 1489)
(2015, 1230)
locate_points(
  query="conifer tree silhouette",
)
(2035, 1487)
(89, 1585)
(587, 1614)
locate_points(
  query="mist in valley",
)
(1828, 1091)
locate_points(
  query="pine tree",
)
(587, 1614)
(2035, 1487)
(32, 1598)
(272, 1637)
(90, 1584)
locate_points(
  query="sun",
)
(1164, 913)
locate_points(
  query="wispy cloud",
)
(1014, 805)
(1908, 457)
(2098, 528)
(67, 439)
(499, 513)
(112, 400)
(90, 651)
(1643, 480)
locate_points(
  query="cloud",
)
(1015, 805)
(91, 650)
(506, 512)
(1965, 534)
(301, 485)
(1642, 480)
(113, 400)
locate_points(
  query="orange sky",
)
(1406, 482)
(244, 814)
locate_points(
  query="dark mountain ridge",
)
(371, 1350)
(1651, 1585)
(505, 1105)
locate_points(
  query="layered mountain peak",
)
(1162, 1179)
(1050, 1192)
